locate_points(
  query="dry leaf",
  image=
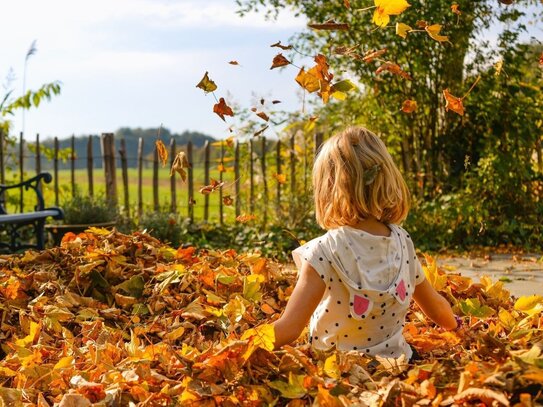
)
(409, 106)
(394, 69)
(245, 218)
(263, 116)
(227, 200)
(162, 152)
(454, 9)
(233, 63)
(206, 84)
(402, 29)
(433, 31)
(329, 25)
(385, 8)
(213, 186)
(179, 164)
(222, 109)
(259, 132)
(279, 61)
(283, 47)
(371, 55)
(281, 178)
(453, 103)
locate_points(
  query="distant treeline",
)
(131, 137)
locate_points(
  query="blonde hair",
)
(354, 177)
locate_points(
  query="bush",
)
(82, 209)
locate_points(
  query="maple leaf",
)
(162, 152)
(394, 69)
(329, 25)
(222, 109)
(409, 106)
(279, 60)
(213, 186)
(283, 47)
(179, 164)
(453, 103)
(402, 29)
(386, 8)
(371, 55)
(206, 84)
(433, 31)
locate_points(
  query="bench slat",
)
(28, 216)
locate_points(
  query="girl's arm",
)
(434, 305)
(303, 301)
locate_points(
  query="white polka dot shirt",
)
(369, 284)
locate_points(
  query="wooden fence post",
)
(236, 179)
(265, 182)
(90, 166)
(108, 153)
(2, 149)
(173, 192)
(55, 168)
(21, 169)
(124, 166)
(140, 178)
(156, 203)
(251, 179)
(278, 166)
(38, 155)
(221, 168)
(190, 183)
(318, 142)
(292, 176)
(206, 179)
(72, 165)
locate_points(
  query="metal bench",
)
(12, 223)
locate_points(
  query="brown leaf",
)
(162, 152)
(274, 102)
(371, 55)
(179, 164)
(283, 47)
(347, 3)
(348, 51)
(329, 25)
(409, 106)
(487, 396)
(245, 218)
(263, 116)
(259, 132)
(453, 103)
(233, 63)
(213, 186)
(394, 69)
(279, 60)
(222, 109)
(227, 200)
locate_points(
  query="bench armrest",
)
(32, 183)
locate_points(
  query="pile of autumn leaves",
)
(111, 320)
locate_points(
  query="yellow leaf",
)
(506, 319)
(325, 399)
(432, 274)
(263, 336)
(433, 31)
(402, 29)
(34, 331)
(308, 80)
(529, 304)
(206, 84)
(162, 152)
(64, 362)
(175, 334)
(331, 367)
(386, 8)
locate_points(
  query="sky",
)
(136, 63)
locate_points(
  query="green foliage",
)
(84, 209)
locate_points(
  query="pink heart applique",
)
(401, 291)
(360, 305)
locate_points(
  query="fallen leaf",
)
(259, 132)
(263, 116)
(281, 178)
(409, 106)
(206, 84)
(222, 109)
(245, 218)
(347, 3)
(233, 63)
(279, 60)
(227, 200)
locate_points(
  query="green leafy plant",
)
(80, 210)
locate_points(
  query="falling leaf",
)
(283, 47)
(227, 200)
(402, 29)
(340, 89)
(206, 84)
(262, 130)
(308, 80)
(329, 25)
(541, 59)
(233, 63)
(221, 167)
(162, 152)
(263, 116)
(222, 109)
(279, 60)
(421, 24)
(454, 9)
(347, 3)
(245, 218)
(281, 178)
(409, 106)
(351, 52)
(262, 101)
(371, 55)
(213, 186)
(453, 103)
(386, 8)
(498, 67)
(179, 164)
(433, 32)
(274, 102)
(394, 69)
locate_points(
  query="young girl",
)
(356, 281)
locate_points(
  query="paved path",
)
(521, 274)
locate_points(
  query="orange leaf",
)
(279, 61)
(394, 69)
(267, 309)
(347, 3)
(281, 178)
(222, 109)
(453, 103)
(371, 55)
(308, 81)
(227, 200)
(409, 106)
(263, 116)
(283, 47)
(329, 25)
(433, 31)
(162, 152)
(245, 218)
(211, 187)
(454, 9)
